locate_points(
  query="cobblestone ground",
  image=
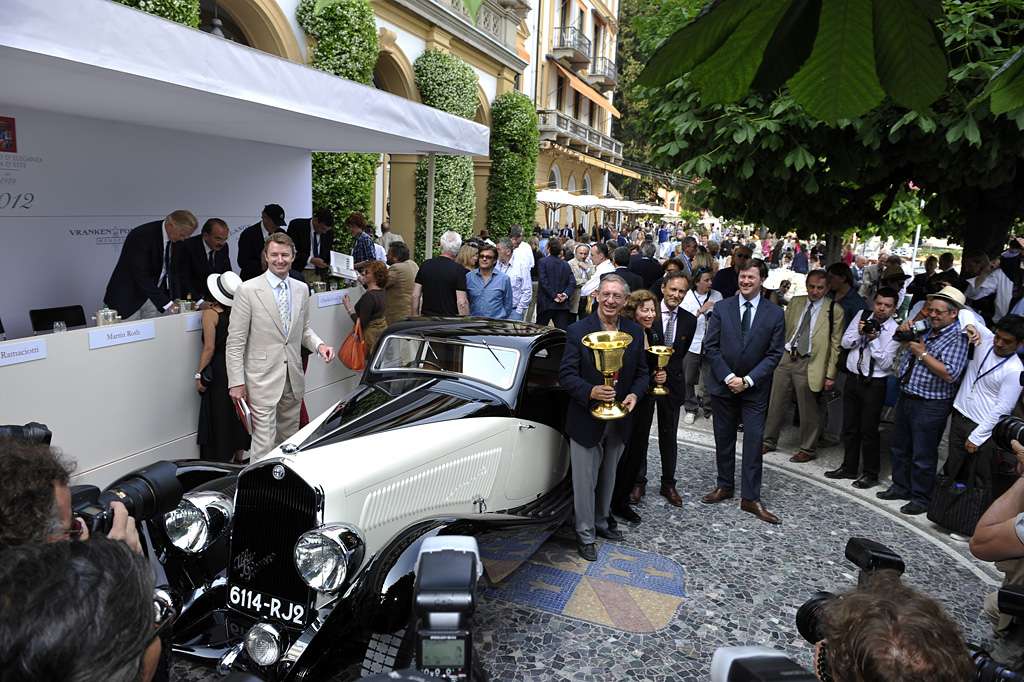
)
(742, 579)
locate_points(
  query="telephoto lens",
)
(1008, 429)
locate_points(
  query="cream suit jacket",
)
(824, 350)
(258, 353)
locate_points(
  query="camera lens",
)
(1009, 428)
(808, 617)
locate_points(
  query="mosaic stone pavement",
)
(737, 581)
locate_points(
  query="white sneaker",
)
(960, 538)
(689, 418)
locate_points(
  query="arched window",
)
(554, 178)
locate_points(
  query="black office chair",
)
(43, 318)
(3, 336)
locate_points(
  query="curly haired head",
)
(28, 505)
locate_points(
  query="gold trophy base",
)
(657, 389)
(608, 411)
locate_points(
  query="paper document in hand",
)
(245, 414)
(341, 266)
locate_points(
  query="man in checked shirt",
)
(927, 374)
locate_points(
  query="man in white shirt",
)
(523, 251)
(868, 365)
(989, 390)
(511, 264)
(602, 261)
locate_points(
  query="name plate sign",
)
(27, 351)
(122, 333)
(194, 322)
(329, 299)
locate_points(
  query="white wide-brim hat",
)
(223, 287)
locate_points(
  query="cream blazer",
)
(824, 349)
(258, 353)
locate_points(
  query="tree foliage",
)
(447, 83)
(182, 11)
(346, 46)
(767, 160)
(512, 197)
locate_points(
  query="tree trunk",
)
(833, 249)
(989, 215)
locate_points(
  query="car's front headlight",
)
(324, 556)
(198, 520)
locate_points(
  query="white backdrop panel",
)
(77, 186)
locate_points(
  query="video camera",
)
(444, 600)
(146, 494)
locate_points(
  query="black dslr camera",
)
(444, 599)
(871, 326)
(916, 331)
(146, 494)
(34, 431)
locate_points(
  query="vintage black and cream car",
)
(301, 566)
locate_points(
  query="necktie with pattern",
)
(282, 307)
(747, 318)
(670, 329)
(803, 338)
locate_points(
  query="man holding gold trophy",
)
(604, 372)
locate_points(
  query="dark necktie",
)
(167, 267)
(747, 317)
(212, 266)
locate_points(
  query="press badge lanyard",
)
(699, 302)
(970, 396)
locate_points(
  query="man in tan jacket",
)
(269, 324)
(814, 330)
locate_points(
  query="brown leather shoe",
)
(765, 449)
(717, 495)
(638, 492)
(802, 457)
(758, 510)
(672, 495)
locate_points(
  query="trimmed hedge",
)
(182, 11)
(515, 146)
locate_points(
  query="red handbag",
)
(353, 352)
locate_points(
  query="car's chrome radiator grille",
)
(270, 515)
(456, 483)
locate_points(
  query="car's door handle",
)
(526, 426)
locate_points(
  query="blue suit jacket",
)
(723, 345)
(554, 276)
(578, 375)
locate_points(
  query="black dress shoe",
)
(612, 523)
(891, 494)
(627, 514)
(587, 550)
(865, 482)
(610, 534)
(841, 473)
(912, 509)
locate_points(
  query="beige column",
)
(481, 173)
(403, 197)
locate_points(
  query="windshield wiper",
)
(492, 353)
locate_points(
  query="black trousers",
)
(862, 410)
(635, 453)
(960, 427)
(560, 318)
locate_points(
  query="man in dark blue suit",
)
(254, 238)
(554, 287)
(145, 282)
(595, 445)
(743, 345)
(203, 255)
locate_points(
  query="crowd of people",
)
(742, 355)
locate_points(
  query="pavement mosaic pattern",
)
(734, 580)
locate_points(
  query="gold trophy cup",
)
(609, 350)
(657, 359)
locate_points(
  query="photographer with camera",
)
(80, 612)
(999, 537)
(872, 350)
(35, 500)
(927, 374)
(884, 631)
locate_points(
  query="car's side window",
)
(543, 399)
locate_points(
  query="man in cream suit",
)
(814, 330)
(269, 322)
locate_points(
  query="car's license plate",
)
(265, 605)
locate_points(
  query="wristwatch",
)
(198, 375)
(922, 355)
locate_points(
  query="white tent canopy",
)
(100, 59)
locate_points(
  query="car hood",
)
(400, 403)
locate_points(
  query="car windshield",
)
(482, 361)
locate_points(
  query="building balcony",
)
(572, 46)
(567, 131)
(602, 74)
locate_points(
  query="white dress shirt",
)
(606, 266)
(882, 350)
(997, 282)
(692, 303)
(984, 400)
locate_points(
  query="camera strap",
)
(864, 344)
